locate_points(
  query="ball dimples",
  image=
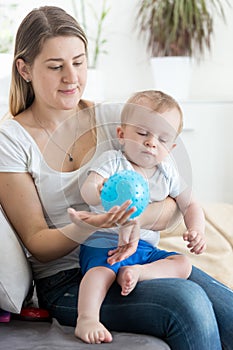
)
(124, 185)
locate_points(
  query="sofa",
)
(15, 281)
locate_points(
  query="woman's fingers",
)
(120, 214)
(125, 212)
(116, 215)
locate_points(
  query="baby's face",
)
(149, 137)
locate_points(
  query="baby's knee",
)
(184, 266)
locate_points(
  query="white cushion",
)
(15, 272)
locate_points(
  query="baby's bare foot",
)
(92, 331)
(127, 278)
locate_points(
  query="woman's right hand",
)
(117, 215)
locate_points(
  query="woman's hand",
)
(117, 215)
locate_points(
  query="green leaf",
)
(178, 27)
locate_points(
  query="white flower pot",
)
(172, 75)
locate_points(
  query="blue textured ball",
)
(124, 185)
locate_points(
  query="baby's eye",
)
(142, 132)
(162, 140)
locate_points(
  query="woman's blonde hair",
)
(39, 25)
(155, 100)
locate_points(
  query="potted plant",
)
(175, 31)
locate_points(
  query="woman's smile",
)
(69, 91)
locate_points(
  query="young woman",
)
(45, 151)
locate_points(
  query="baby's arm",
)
(195, 222)
(91, 188)
(129, 230)
(129, 235)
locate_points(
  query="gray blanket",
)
(27, 335)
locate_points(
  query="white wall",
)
(208, 140)
(126, 67)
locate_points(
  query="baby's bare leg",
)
(92, 291)
(175, 266)
(127, 278)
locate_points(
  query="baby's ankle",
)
(87, 316)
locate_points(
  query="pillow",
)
(15, 272)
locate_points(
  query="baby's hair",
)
(154, 100)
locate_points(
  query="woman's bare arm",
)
(20, 201)
(159, 215)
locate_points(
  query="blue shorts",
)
(95, 253)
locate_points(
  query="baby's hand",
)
(122, 252)
(197, 241)
(100, 186)
(127, 243)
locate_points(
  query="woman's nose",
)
(70, 75)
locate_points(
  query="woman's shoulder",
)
(105, 112)
(108, 113)
(13, 135)
(11, 126)
(8, 125)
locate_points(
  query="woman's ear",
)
(23, 69)
(120, 134)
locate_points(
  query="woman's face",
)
(58, 74)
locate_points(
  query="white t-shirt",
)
(57, 190)
(163, 183)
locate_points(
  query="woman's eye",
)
(55, 67)
(77, 64)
